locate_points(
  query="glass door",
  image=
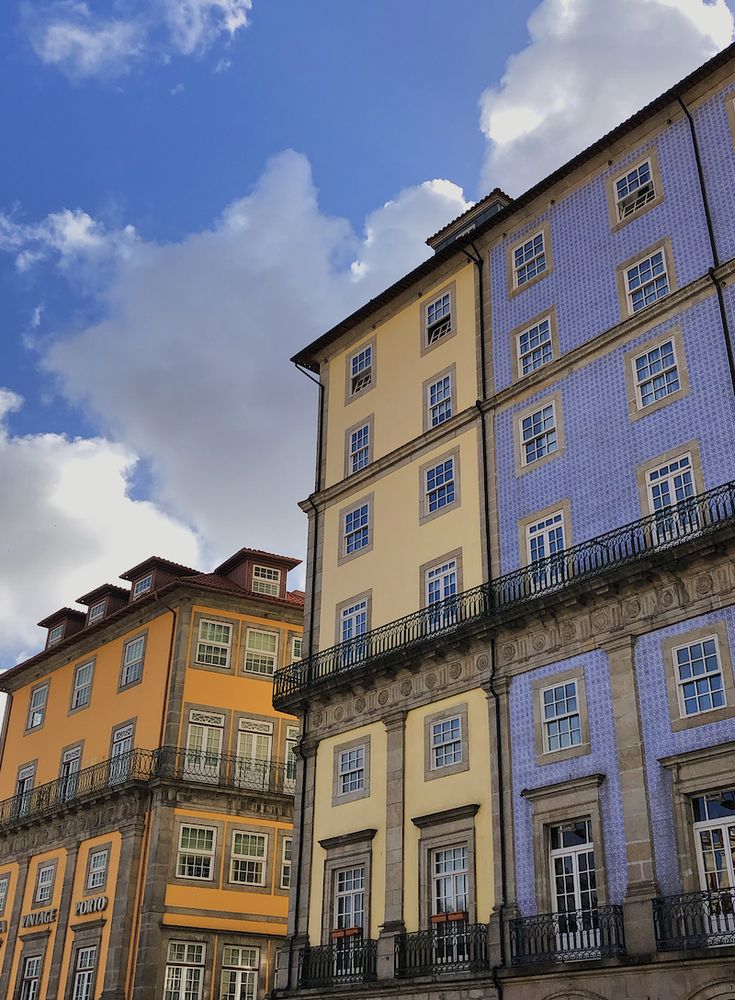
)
(69, 777)
(670, 492)
(254, 745)
(574, 887)
(121, 754)
(349, 916)
(714, 830)
(203, 752)
(441, 593)
(450, 905)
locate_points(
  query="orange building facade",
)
(146, 789)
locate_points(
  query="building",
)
(146, 788)
(517, 771)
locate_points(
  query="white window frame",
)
(297, 648)
(655, 377)
(24, 783)
(574, 853)
(132, 668)
(210, 650)
(446, 740)
(358, 530)
(286, 862)
(198, 857)
(85, 968)
(37, 703)
(78, 688)
(259, 660)
(45, 878)
(351, 770)
(550, 432)
(439, 402)
(142, 586)
(239, 978)
(268, 582)
(543, 349)
(441, 491)
(181, 966)
(96, 611)
(4, 889)
(360, 448)
(629, 203)
(349, 901)
(719, 918)
(255, 865)
(439, 318)
(55, 634)
(292, 739)
(361, 374)
(646, 280)
(441, 585)
(30, 983)
(557, 719)
(530, 256)
(450, 879)
(96, 873)
(682, 683)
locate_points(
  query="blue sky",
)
(192, 189)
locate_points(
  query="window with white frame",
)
(204, 740)
(71, 762)
(132, 666)
(359, 456)
(297, 647)
(438, 318)
(357, 529)
(535, 347)
(247, 865)
(351, 770)
(361, 370)
(349, 898)
(239, 973)
(439, 400)
(670, 491)
(354, 620)
(562, 724)
(184, 971)
(55, 634)
(44, 883)
(714, 831)
(441, 589)
(286, 857)
(699, 676)
(96, 612)
(545, 537)
(266, 580)
(24, 789)
(97, 868)
(446, 742)
(82, 686)
(574, 878)
(4, 885)
(646, 281)
(656, 374)
(292, 739)
(539, 434)
(634, 189)
(439, 486)
(529, 260)
(142, 586)
(84, 969)
(196, 852)
(37, 707)
(213, 647)
(450, 880)
(30, 982)
(261, 651)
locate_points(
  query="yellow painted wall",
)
(401, 370)
(26, 907)
(12, 869)
(471, 786)
(362, 814)
(401, 545)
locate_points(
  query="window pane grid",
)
(196, 852)
(440, 400)
(266, 580)
(133, 660)
(261, 649)
(352, 770)
(657, 374)
(450, 880)
(438, 318)
(350, 898)
(82, 685)
(699, 676)
(529, 259)
(97, 869)
(213, 648)
(248, 858)
(538, 432)
(361, 369)
(446, 742)
(562, 724)
(647, 281)
(357, 529)
(440, 486)
(634, 190)
(534, 347)
(360, 448)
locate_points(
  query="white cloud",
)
(590, 64)
(71, 236)
(195, 24)
(73, 525)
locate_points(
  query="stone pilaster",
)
(70, 867)
(14, 922)
(123, 911)
(395, 725)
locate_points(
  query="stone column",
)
(395, 725)
(14, 922)
(637, 912)
(121, 917)
(62, 923)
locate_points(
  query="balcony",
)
(695, 920)
(574, 936)
(344, 961)
(648, 537)
(453, 947)
(143, 766)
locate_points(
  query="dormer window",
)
(142, 586)
(96, 612)
(266, 581)
(55, 634)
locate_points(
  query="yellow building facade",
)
(146, 789)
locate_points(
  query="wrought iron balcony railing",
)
(576, 935)
(695, 920)
(455, 946)
(345, 960)
(697, 516)
(172, 763)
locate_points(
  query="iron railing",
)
(454, 946)
(667, 528)
(345, 960)
(172, 763)
(695, 920)
(576, 935)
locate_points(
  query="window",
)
(132, 665)
(352, 770)
(266, 580)
(535, 347)
(670, 493)
(699, 676)
(441, 591)
(44, 883)
(204, 746)
(539, 434)
(37, 707)
(297, 645)
(446, 742)
(248, 858)
(359, 456)
(357, 529)
(239, 973)
(438, 318)
(96, 612)
(84, 968)
(349, 898)
(545, 545)
(121, 753)
(71, 762)
(261, 650)
(450, 881)
(30, 983)
(354, 621)
(646, 281)
(184, 971)
(254, 746)
(286, 854)
(97, 869)
(361, 370)
(656, 374)
(439, 400)
(439, 486)
(82, 687)
(529, 260)
(142, 586)
(292, 739)
(56, 634)
(24, 789)
(714, 831)
(634, 190)
(213, 647)
(562, 725)
(196, 852)
(4, 885)
(574, 882)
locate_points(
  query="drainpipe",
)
(713, 243)
(169, 665)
